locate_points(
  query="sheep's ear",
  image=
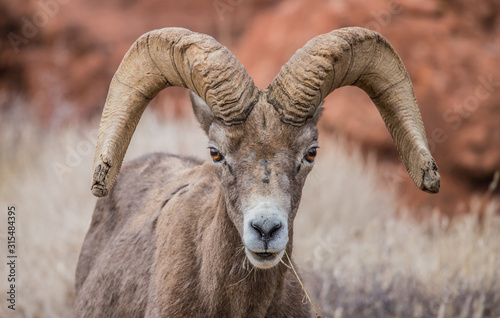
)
(202, 112)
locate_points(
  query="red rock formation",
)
(450, 49)
(58, 56)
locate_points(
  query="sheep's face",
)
(262, 165)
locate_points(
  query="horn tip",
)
(99, 184)
(99, 190)
(431, 180)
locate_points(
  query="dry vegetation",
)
(357, 259)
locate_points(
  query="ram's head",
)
(262, 142)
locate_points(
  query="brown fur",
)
(167, 242)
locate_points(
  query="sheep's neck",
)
(231, 284)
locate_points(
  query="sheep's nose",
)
(266, 227)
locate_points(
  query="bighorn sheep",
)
(176, 237)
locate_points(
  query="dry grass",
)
(356, 258)
(361, 261)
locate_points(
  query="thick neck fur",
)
(232, 284)
(212, 272)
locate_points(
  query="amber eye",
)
(310, 154)
(216, 155)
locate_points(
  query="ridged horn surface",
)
(362, 58)
(159, 59)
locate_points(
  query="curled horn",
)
(362, 58)
(159, 59)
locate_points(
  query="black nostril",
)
(255, 226)
(266, 229)
(274, 229)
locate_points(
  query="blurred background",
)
(381, 247)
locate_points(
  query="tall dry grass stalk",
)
(356, 258)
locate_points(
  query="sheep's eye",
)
(216, 155)
(310, 154)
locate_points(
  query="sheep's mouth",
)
(265, 255)
(264, 259)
